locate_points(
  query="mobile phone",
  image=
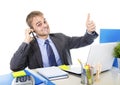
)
(32, 34)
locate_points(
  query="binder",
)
(8, 78)
(39, 80)
(52, 73)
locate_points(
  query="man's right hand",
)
(28, 38)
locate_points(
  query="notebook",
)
(52, 73)
(98, 54)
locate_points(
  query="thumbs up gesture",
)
(90, 25)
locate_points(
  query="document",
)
(75, 69)
(52, 73)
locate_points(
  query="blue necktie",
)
(50, 54)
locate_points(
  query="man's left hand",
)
(90, 25)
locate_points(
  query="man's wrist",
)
(93, 32)
(25, 41)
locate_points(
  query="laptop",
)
(101, 54)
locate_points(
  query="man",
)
(32, 53)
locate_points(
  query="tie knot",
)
(47, 41)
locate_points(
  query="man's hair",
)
(30, 17)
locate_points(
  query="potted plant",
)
(116, 53)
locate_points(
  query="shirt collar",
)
(42, 41)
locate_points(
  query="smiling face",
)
(40, 26)
(38, 23)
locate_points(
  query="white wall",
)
(66, 16)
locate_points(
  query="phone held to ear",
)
(32, 35)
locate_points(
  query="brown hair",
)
(31, 15)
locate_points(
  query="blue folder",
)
(8, 78)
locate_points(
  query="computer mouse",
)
(23, 80)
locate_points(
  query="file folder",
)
(8, 78)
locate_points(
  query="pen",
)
(43, 76)
(80, 63)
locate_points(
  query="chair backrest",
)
(109, 35)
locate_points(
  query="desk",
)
(111, 77)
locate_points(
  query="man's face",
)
(40, 26)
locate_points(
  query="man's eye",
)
(45, 22)
(39, 24)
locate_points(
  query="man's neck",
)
(43, 37)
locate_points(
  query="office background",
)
(66, 16)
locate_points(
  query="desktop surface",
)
(111, 77)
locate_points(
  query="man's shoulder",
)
(60, 36)
(56, 34)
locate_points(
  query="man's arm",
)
(87, 39)
(19, 59)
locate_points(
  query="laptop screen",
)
(101, 54)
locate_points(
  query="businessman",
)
(48, 49)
